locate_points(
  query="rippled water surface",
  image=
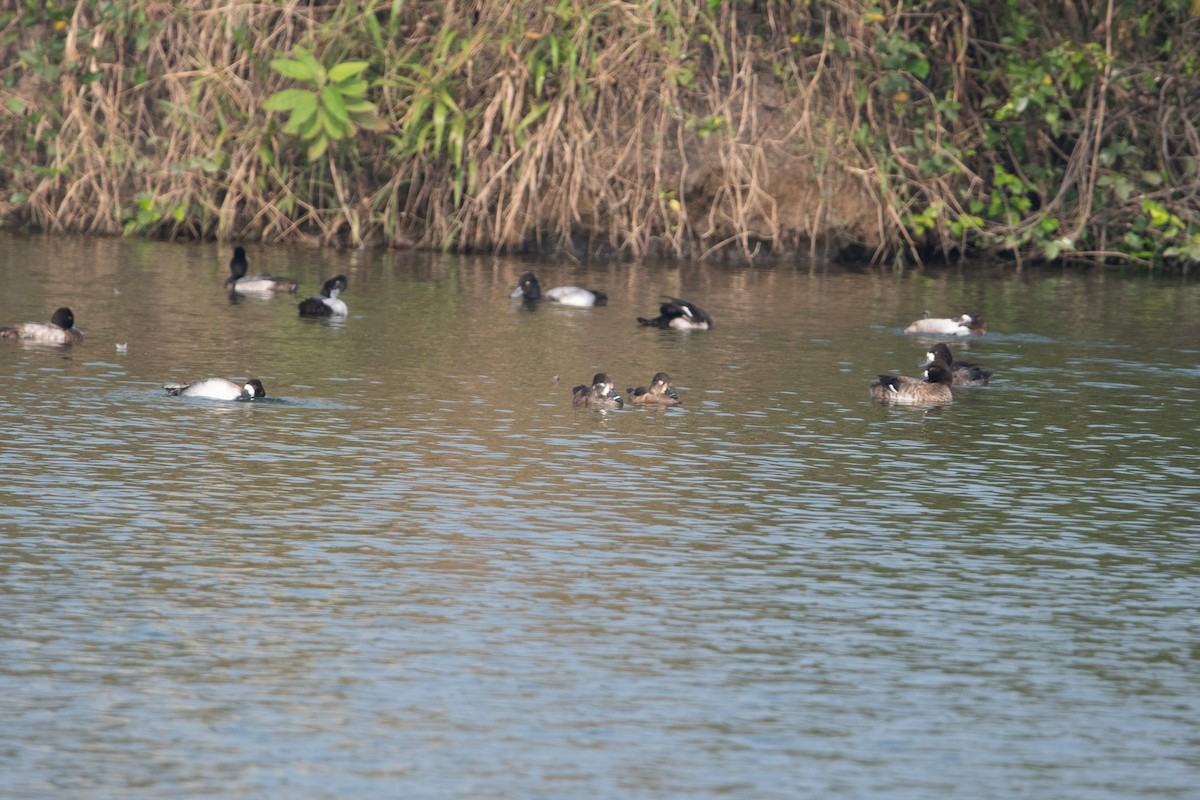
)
(416, 571)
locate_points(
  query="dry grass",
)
(622, 128)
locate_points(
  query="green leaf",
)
(300, 119)
(291, 100)
(312, 128)
(457, 139)
(348, 69)
(293, 69)
(533, 116)
(15, 105)
(359, 106)
(332, 102)
(1159, 216)
(317, 148)
(439, 127)
(335, 128)
(306, 58)
(416, 113)
(352, 88)
(448, 100)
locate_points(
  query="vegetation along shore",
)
(890, 131)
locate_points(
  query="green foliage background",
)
(901, 131)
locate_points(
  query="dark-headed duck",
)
(326, 304)
(599, 395)
(964, 325)
(218, 389)
(931, 389)
(239, 281)
(964, 374)
(659, 393)
(529, 289)
(59, 330)
(679, 315)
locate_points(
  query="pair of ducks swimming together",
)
(674, 313)
(601, 395)
(325, 304)
(933, 387)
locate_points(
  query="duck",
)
(679, 315)
(599, 395)
(933, 388)
(326, 304)
(59, 330)
(529, 288)
(659, 393)
(963, 326)
(218, 389)
(239, 281)
(963, 374)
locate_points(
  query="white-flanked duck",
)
(679, 315)
(529, 289)
(326, 304)
(218, 389)
(962, 326)
(260, 282)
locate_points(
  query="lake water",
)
(418, 572)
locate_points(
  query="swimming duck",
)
(529, 288)
(217, 389)
(964, 374)
(931, 389)
(964, 325)
(239, 281)
(326, 304)
(599, 395)
(659, 392)
(680, 315)
(59, 330)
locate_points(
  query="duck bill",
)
(517, 292)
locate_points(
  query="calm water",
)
(418, 572)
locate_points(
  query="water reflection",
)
(418, 570)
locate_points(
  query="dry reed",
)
(685, 129)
